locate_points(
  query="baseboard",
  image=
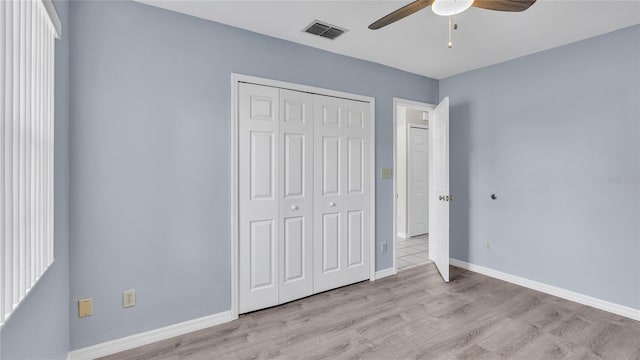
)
(384, 273)
(552, 290)
(403, 235)
(148, 337)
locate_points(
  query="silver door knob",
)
(293, 207)
(332, 204)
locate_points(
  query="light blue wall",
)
(39, 328)
(150, 156)
(556, 135)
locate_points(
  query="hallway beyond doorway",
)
(412, 252)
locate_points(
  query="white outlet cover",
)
(129, 298)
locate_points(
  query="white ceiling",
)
(418, 43)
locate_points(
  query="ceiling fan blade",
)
(504, 5)
(401, 13)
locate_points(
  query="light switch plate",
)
(85, 307)
(386, 173)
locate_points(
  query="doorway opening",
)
(412, 183)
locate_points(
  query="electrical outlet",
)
(129, 298)
(488, 246)
(384, 247)
(85, 307)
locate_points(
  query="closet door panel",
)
(258, 196)
(296, 201)
(356, 190)
(330, 167)
(355, 238)
(330, 243)
(341, 250)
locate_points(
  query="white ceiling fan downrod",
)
(450, 43)
(455, 20)
(455, 27)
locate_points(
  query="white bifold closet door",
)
(341, 201)
(296, 204)
(275, 197)
(303, 194)
(258, 228)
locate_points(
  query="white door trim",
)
(414, 105)
(236, 79)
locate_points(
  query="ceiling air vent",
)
(323, 29)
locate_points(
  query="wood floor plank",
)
(413, 315)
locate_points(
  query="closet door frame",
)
(236, 79)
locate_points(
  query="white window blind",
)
(28, 29)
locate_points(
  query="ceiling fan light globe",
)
(450, 7)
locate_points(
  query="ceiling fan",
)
(451, 8)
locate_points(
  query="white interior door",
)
(296, 204)
(258, 216)
(439, 188)
(418, 180)
(341, 200)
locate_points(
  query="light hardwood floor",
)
(414, 315)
